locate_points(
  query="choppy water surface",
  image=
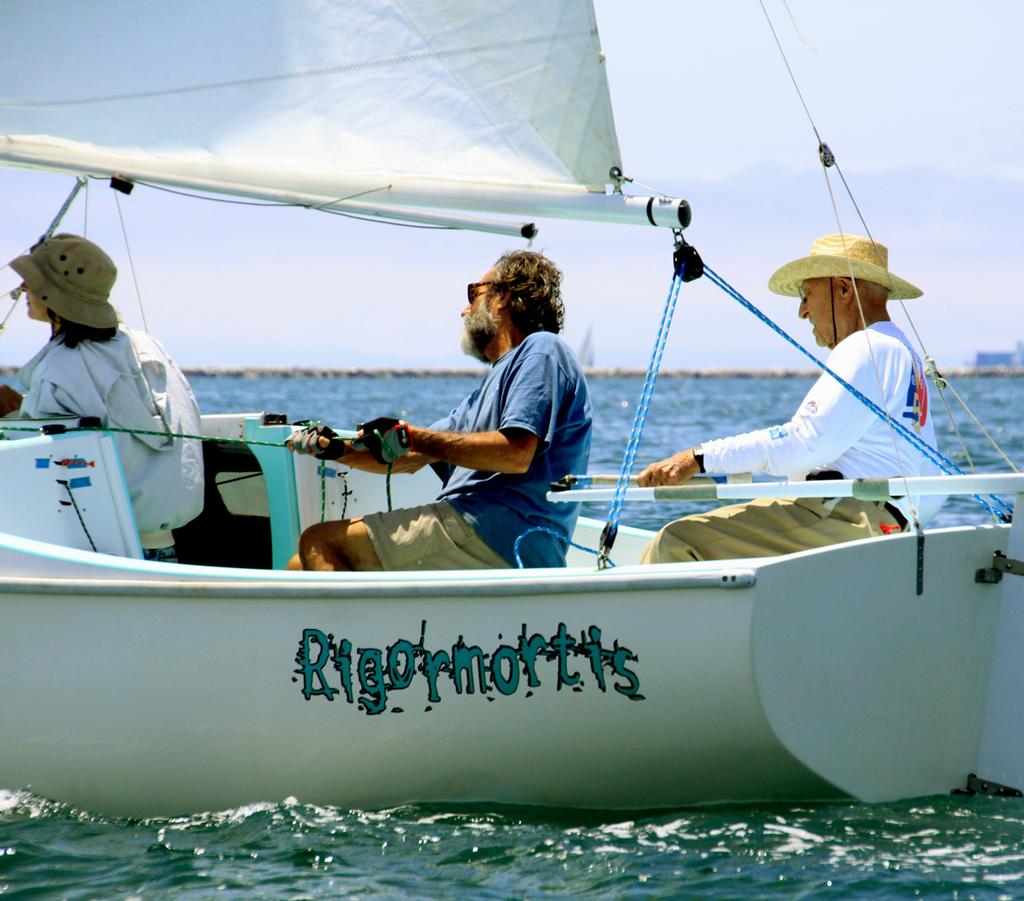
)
(937, 848)
(941, 847)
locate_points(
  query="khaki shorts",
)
(766, 527)
(434, 536)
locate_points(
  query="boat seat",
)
(67, 489)
(234, 527)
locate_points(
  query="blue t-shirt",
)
(537, 386)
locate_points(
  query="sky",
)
(918, 102)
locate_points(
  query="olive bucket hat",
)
(73, 277)
(843, 255)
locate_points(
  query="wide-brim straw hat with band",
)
(73, 277)
(843, 255)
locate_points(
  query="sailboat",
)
(139, 688)
(586, 351)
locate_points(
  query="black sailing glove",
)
(308, 442)
(384, 438)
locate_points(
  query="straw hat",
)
(839, 255)
(73, 277)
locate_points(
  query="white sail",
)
(450, 103)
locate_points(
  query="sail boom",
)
(380, 196)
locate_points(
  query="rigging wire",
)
(828, 160)
(80, 182)
(131, 262)
(640, 184)
(381, 221)
(15, 295)
(211, 199)
(157, 409)
(983, 430)
(792, 77)
(326, 203)
(320, 208)
(915, 518)
(956, 425)
(195, 195)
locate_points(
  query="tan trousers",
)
(434, 536)
(767, 527)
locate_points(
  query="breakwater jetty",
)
(471, 372)
(317, 372)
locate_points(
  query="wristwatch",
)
(698, 455)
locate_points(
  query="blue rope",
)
(633, 444)
(936, 457)
(558, 535)
(640, 417)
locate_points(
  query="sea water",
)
(938, 847)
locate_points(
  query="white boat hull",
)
(142, 689)
(138, 688)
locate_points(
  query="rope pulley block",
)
(685, 259)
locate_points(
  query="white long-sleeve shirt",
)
(833, 430)
(104, 379)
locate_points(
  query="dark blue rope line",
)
(936, 457)
(558, 535)
(640, 417)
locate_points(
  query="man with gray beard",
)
(527, 425)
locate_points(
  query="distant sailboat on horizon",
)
(586, 351)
